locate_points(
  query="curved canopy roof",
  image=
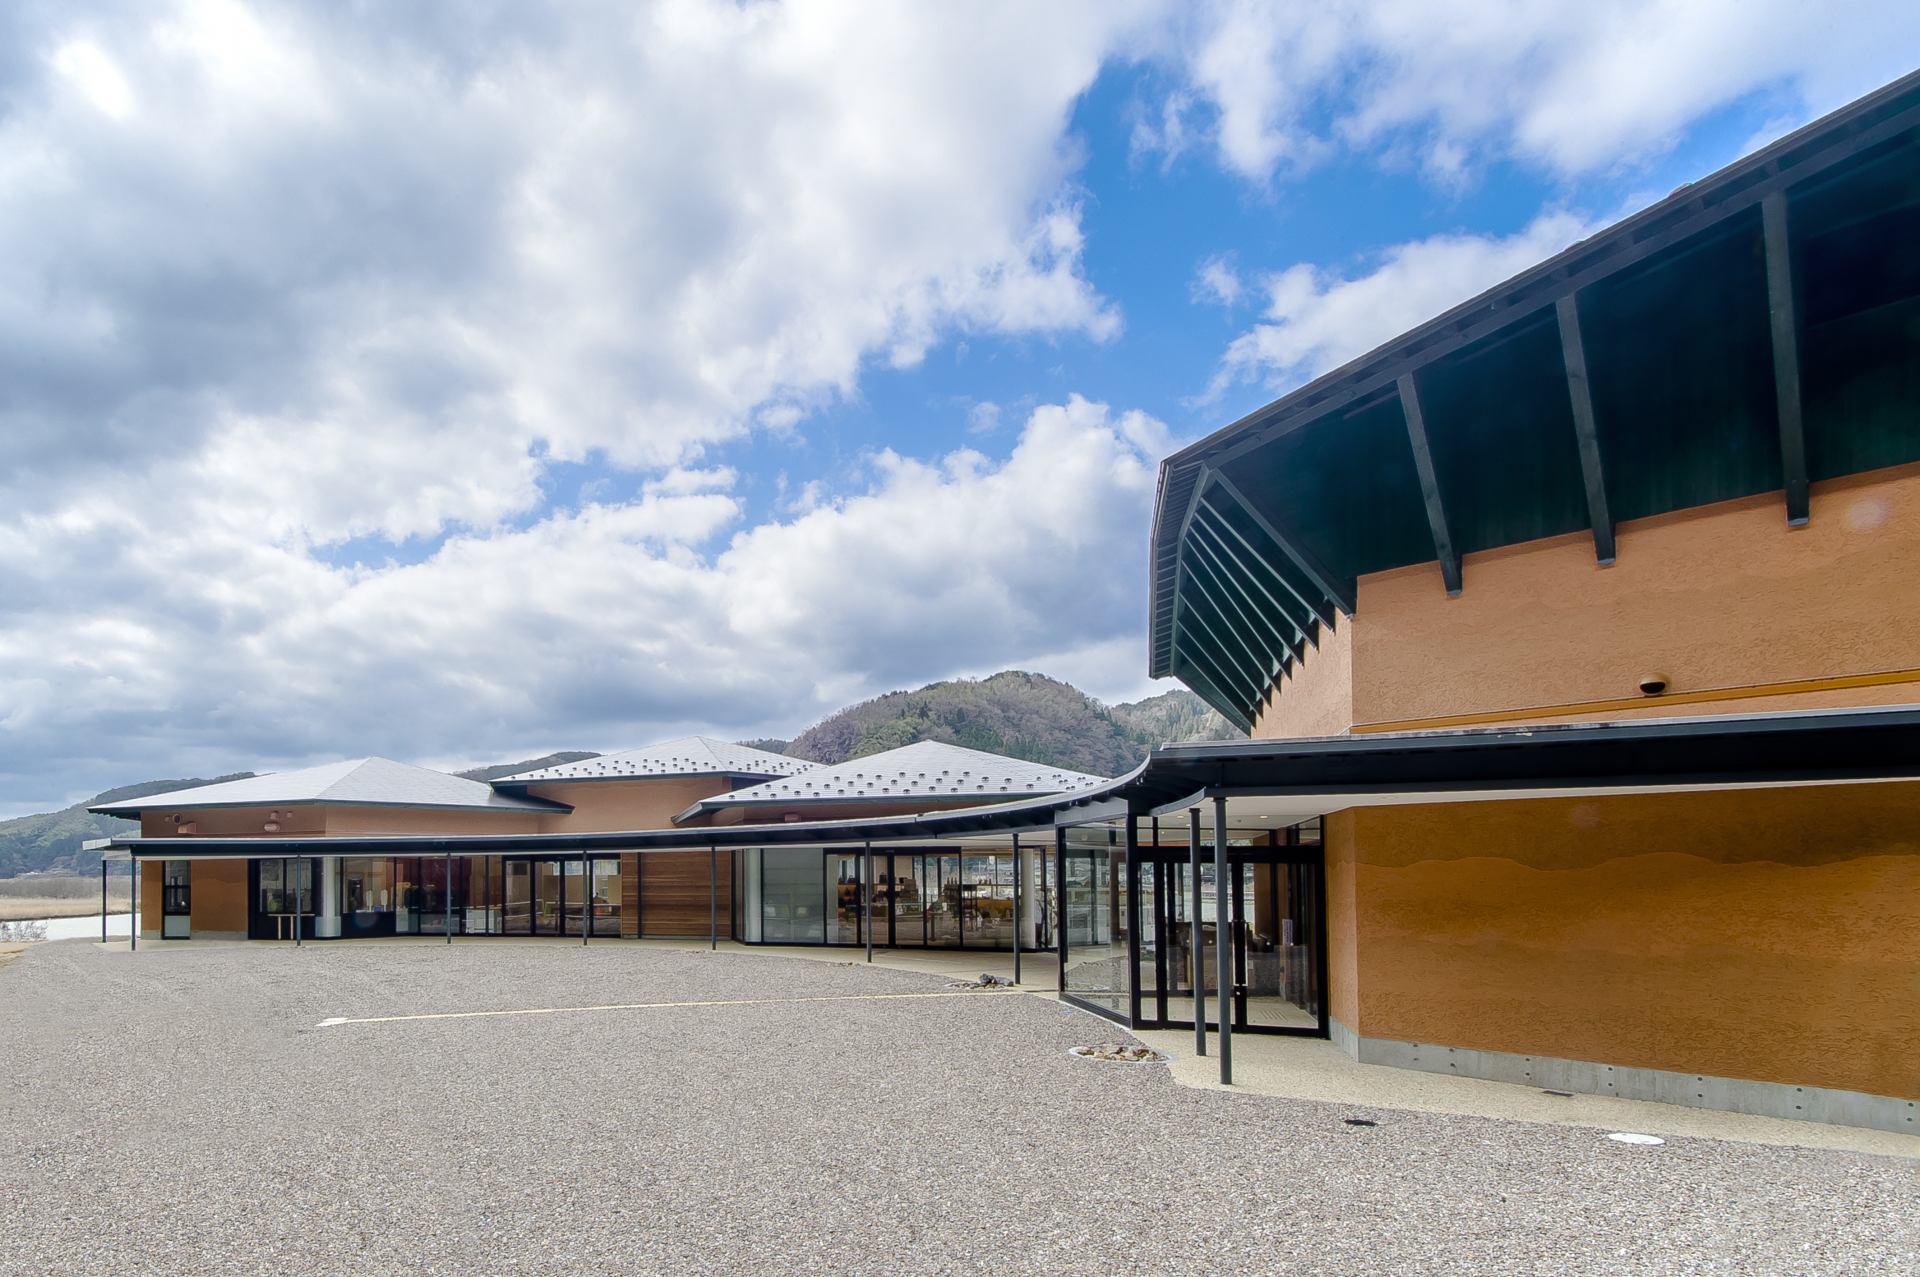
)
(1752, 332)
(687, 756)
(932, 770)
(355, 782)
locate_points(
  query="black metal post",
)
(1161, 931)
(133, 876)
(1197, 959)
(1060, 902)
(586, 898)
(1130, 876)
(449, 899)
(1222, 929)
(103, 899)
(713, 897)
(1016, 908)
(299, 898)
(866, 915)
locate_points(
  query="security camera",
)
(1653, 684)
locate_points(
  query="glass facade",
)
(919, 898)
(1132, 951)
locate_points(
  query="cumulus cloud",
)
(1315, 319)
(1569, 87)
(666, 610)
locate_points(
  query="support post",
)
(1197, 960)
(103, 899)
(133, 875)
(1443, 544)
(299, 897)
(713, 897)
(1060, 903)
(866, 914)
(1130, 877)
(1783, 314)
(1586, 431)
(586, 898)
(1222, 944)
(1016, 908)
(447, 900)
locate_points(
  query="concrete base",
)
(1693, 1090)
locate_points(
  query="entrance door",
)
(518, 914)
(176, 900)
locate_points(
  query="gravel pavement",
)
(182, 1111)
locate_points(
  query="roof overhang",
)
(513, 806)
(1744, 335)
(1316, 775)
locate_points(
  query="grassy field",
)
(16, 908)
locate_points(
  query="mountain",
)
(497, 770)
(1026, 715)
(51, 840)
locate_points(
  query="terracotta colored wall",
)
(348, 821)
(1343, 977)
(1771, 935)
(234, 822)
(1723, 597)
(1316, 699)
(218, 895)
(151, 876)
(625, 804)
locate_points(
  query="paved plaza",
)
(500, 1107)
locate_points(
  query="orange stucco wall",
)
(233, 822)
(1741, 613)
(1769, 935)
(348, 821)
(1719, 599)
(624, 804)
(1316, 699)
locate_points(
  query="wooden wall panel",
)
(630, 895)
(674, 897)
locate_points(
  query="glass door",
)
(176, 900)
(549, 896)
(518, 919)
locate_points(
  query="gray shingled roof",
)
(688, 756)
(357, 782)
(928, 769)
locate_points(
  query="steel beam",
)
(1444, 548)
(1319, 608)
(1218, 552)
(1246, 635)
(1196, 960)
(1279, 648)
(1340, 592)
(1573, 354)
(1784, 316)
(1222, 940)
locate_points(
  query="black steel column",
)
(103, 899)
(1060, 902)
(133, 875)
(586, 898)
(448, 924)
(1161, 931)
(713, 897)
(1130, 875)
(299, 898)
(1197, 959)
(1016, 908)
(1222, 946)
(866, 914)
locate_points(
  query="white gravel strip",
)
(178, 1111)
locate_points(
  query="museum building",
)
(1576, 634)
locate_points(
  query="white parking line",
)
(337, 1020)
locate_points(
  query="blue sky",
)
(461, 382)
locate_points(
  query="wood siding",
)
(674, 894)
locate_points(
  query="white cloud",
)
(1316, 320)
(1570, 87)
(1217, 282)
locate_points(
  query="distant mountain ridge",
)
(1014, 712)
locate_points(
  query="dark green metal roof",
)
(1753, 332)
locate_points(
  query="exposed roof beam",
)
(1198, 677)
(1277, 654)
(1573, 354)
(1292, 636)
(1317, 609)
(1785, 319)
(1340, 592)
(1252, 675)
(1443, 546)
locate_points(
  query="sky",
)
(458, 382)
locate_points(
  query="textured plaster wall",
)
(600, 805)
(1767, 935)
(1725, 596)
(1316, 699)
